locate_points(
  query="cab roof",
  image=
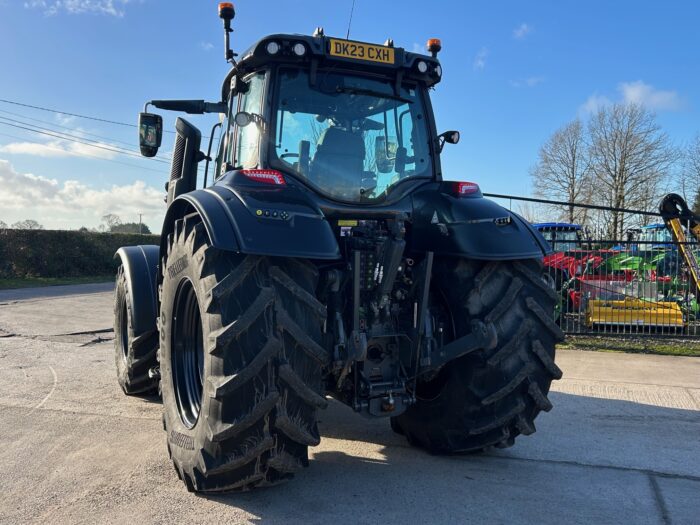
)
(322, 51)
(563, 226)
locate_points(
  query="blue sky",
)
(514, 71)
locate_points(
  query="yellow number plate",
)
(359, 51)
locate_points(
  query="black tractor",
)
(328, 258)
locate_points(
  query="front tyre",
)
(487, 398)
(241, 363)
(134, 354)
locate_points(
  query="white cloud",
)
(417, 48)
(480, 59)
(103, 7)
(594, 103)
(527, 82)
(71, 204)
(64, 120)
(522, 31)
(637, 92)
(59, 148)
(646, 95)
(206, 46)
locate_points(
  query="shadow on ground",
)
(592, 459)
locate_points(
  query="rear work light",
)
(462, 189)
(265, 176)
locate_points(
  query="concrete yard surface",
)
(622, 444)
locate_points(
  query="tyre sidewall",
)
(123, 362)
(184, 443)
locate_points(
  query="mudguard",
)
(257, 219)
(141, 271)
(472, 227)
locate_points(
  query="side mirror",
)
(150, 133)
(449, 137)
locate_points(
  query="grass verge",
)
(637, 345)
(34, 282)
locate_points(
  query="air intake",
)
(186, 156)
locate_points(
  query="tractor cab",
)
(562, 237)
(350, 120)
(655, 237)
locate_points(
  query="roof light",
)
(273, 177)
(226, 11)
(272, 48)
(434, 46)
(466, 188)
(422, 67)
(299, 49)
(438, 70)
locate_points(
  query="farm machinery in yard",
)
(638, 285)
(680, 290)
(328, 257)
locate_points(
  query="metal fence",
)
(636, 286)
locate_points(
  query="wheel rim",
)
(187, 354)
(124, 330)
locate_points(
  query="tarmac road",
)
(622, 444)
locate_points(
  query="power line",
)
(72, 138)
(98, 119)
(53, 124)
(83, 154)
(67, 113)
(162, 158)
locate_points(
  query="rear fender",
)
(140, 265)
(257, 220)
(472, 227)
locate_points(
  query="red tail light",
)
(466, 188)
(265, 176)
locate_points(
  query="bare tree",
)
(531, 212)
(29, 224)
(630, 157)
(689, 174)
(563, 170)
(111, 221)
(3, 225)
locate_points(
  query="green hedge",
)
(57, 253)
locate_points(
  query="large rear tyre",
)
(487, 398)
(134, 355)
(241, 363)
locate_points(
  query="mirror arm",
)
(215, 107)
(441, 143)
(196, 107)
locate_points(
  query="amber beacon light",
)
(434, 46)
(226, 10)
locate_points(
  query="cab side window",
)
(224, 151)
(248, 137)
